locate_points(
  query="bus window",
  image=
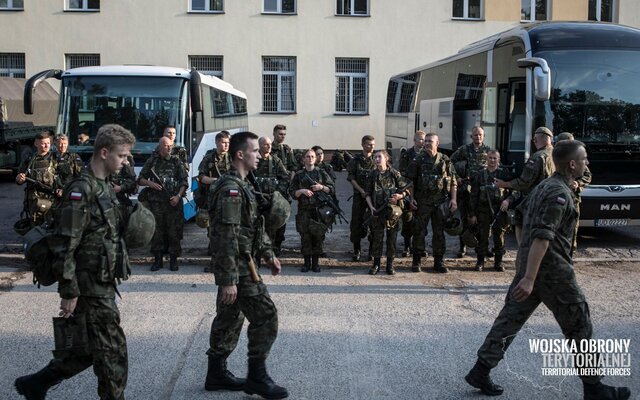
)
(517, 117)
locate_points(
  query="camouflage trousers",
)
(107, 347)
(498, 230)
(359, 209)
(565, 300)
(312, 234)
(254, 303)
(378, 228)
(168, 233)
(424, 215)
(407, 224)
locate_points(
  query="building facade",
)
(321, 67)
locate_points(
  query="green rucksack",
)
(39, 255)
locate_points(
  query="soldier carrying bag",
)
(70, 336)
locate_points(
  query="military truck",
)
(18, 129)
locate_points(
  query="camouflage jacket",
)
(181, 153)
(172, 176)
(405, 159)
(214, 165)
(360, 168)
(304, 179)
(41, 169)
(485, 195)
(271, 175)
(328, 168)
(467, 160)
(432, 177)
(237, 226)
(551, 215)
(382, 185)
(536, 169)
(285, 154)
(126, 179)
(89, 252)
(69, 166)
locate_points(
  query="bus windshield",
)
(144, 105)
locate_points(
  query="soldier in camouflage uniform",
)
(282, 150)
(89, 258)
(468, 160)
(536, 169)
(69, 164)
(176, 150)
(385, 191)
(40, 167)
(312, 229)
(165, 201)
(434, 182)
(545, 274)
(320, 164)
(359, 168)
(407, 214)
(487, 208)
(241, 293)
(272, 175)
(124, 184)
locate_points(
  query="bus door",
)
(512, 140)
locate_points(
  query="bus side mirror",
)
(541, 76)
(30, 87)
(195, 89)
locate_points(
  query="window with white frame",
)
(279, 6)
(11, 5)
(209, 65)
(352, 7)
(601, 10)
(211, 6)
(278, 84)
(12, 65)
(352, 85)
(83, 5)
(82, 60)
(467, 9)
(534, 10)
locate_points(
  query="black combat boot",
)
(220, 378)
(35, 386)
(307, 264)
(479, 263)
(463, 249)
(479, 378)
(376, 266)
(415, 264)
(497, 263)
(407, 247)
(390, 270)
(157, 263)
(600, 391)
(259, 382)
(315, 266)
(356, 252)
(438, 265)
(173, 262)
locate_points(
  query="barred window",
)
(12, 65)
(467, 9)
(206, 5)
(209, 65)
(82, 60)
(352, 7)
(11, 4)
(352, 85)
(279, 6)
(278, 84)
(83, 5)
(601, 10)
(533, 10)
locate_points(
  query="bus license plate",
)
(612, 222)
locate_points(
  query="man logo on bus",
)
(615, 207)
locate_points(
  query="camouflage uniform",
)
(407, 215)
(380, 187)
(126, 179)
(233, 212)
(169, 220)
(359, 169)
(69, 166)
(433, 178)
(328, 168)
(285, 154)
(213, 165)
(271, 175)
(181, 153)
(550, 215)
(312, 230)
(90, 258)
(38, 201)
(536, 169)
(583, 182)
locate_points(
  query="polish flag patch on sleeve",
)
(561, 200)
(75, 196)
(234, 192)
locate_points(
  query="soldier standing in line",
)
(434, 182)
(468, 160)
(487, 209)
(386, 190)
(69, 164)
(320, 164)
(536, 169)
(87, 232)
(124, 184)
(407, 215)
(359, 168)
(545, 274)
(312, 229)
(282, 150)
(166, 181)
(271, 176)
(241, 293)
(215, 163)
(39, 171)
(176, 150)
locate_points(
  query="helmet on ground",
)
(22, 226)
(140, 227)
(470, 236)
(278, 214)
(202, 218)
(453, 224)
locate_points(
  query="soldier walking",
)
(545, 274)
(241, 293)
(407, 214)
(166, 181)
(87, 231)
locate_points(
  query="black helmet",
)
(453, 224)
(470, 236)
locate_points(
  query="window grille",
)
(278, 84)
(12, 65)
(209, 65)
(352, 85)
